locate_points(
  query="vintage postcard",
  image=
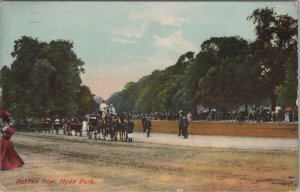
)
(149, 96)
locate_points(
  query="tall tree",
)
(287, 92)
(6, 85)
(44, 78)
(41, 76)
(227, 76)
(66, 82)
(275, 37)
(27, 51)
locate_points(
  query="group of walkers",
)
(147, 126)
(183, 124)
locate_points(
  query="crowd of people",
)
(258, 115)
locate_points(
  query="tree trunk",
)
(273, 100)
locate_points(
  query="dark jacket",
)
(130, 127)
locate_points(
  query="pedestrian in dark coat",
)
(185, 127)
(148, 126)
(143, 123)
(180, 123)
(130, 127)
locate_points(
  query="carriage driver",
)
(103, 109)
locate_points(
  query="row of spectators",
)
(264, 115)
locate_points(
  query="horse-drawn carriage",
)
(57, 125)
(111, 127)
(44, 125)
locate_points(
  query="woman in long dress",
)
(9, 158)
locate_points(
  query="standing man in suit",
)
(180, 123)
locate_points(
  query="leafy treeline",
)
(226, 73)
(44, 81)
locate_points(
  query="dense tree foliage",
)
(117, 99)
(276, 39)
(44, 80)
(227, 72)
(85, 101)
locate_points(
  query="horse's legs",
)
(122, 138)
(95, 134)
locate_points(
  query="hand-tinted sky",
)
(123, 41)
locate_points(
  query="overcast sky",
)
(123, 41)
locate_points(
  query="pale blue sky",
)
(123, 41)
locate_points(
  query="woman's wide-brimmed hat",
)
(4, 113)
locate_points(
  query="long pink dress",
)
(9, 158)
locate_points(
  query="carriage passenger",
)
(103, 109)
(111, 110)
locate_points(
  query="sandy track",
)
(225, 142)
(163, 162)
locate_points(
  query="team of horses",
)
(111, 127)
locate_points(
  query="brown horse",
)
(119, 129)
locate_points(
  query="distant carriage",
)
(44, 125)
(57, 125)
(72, 125)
